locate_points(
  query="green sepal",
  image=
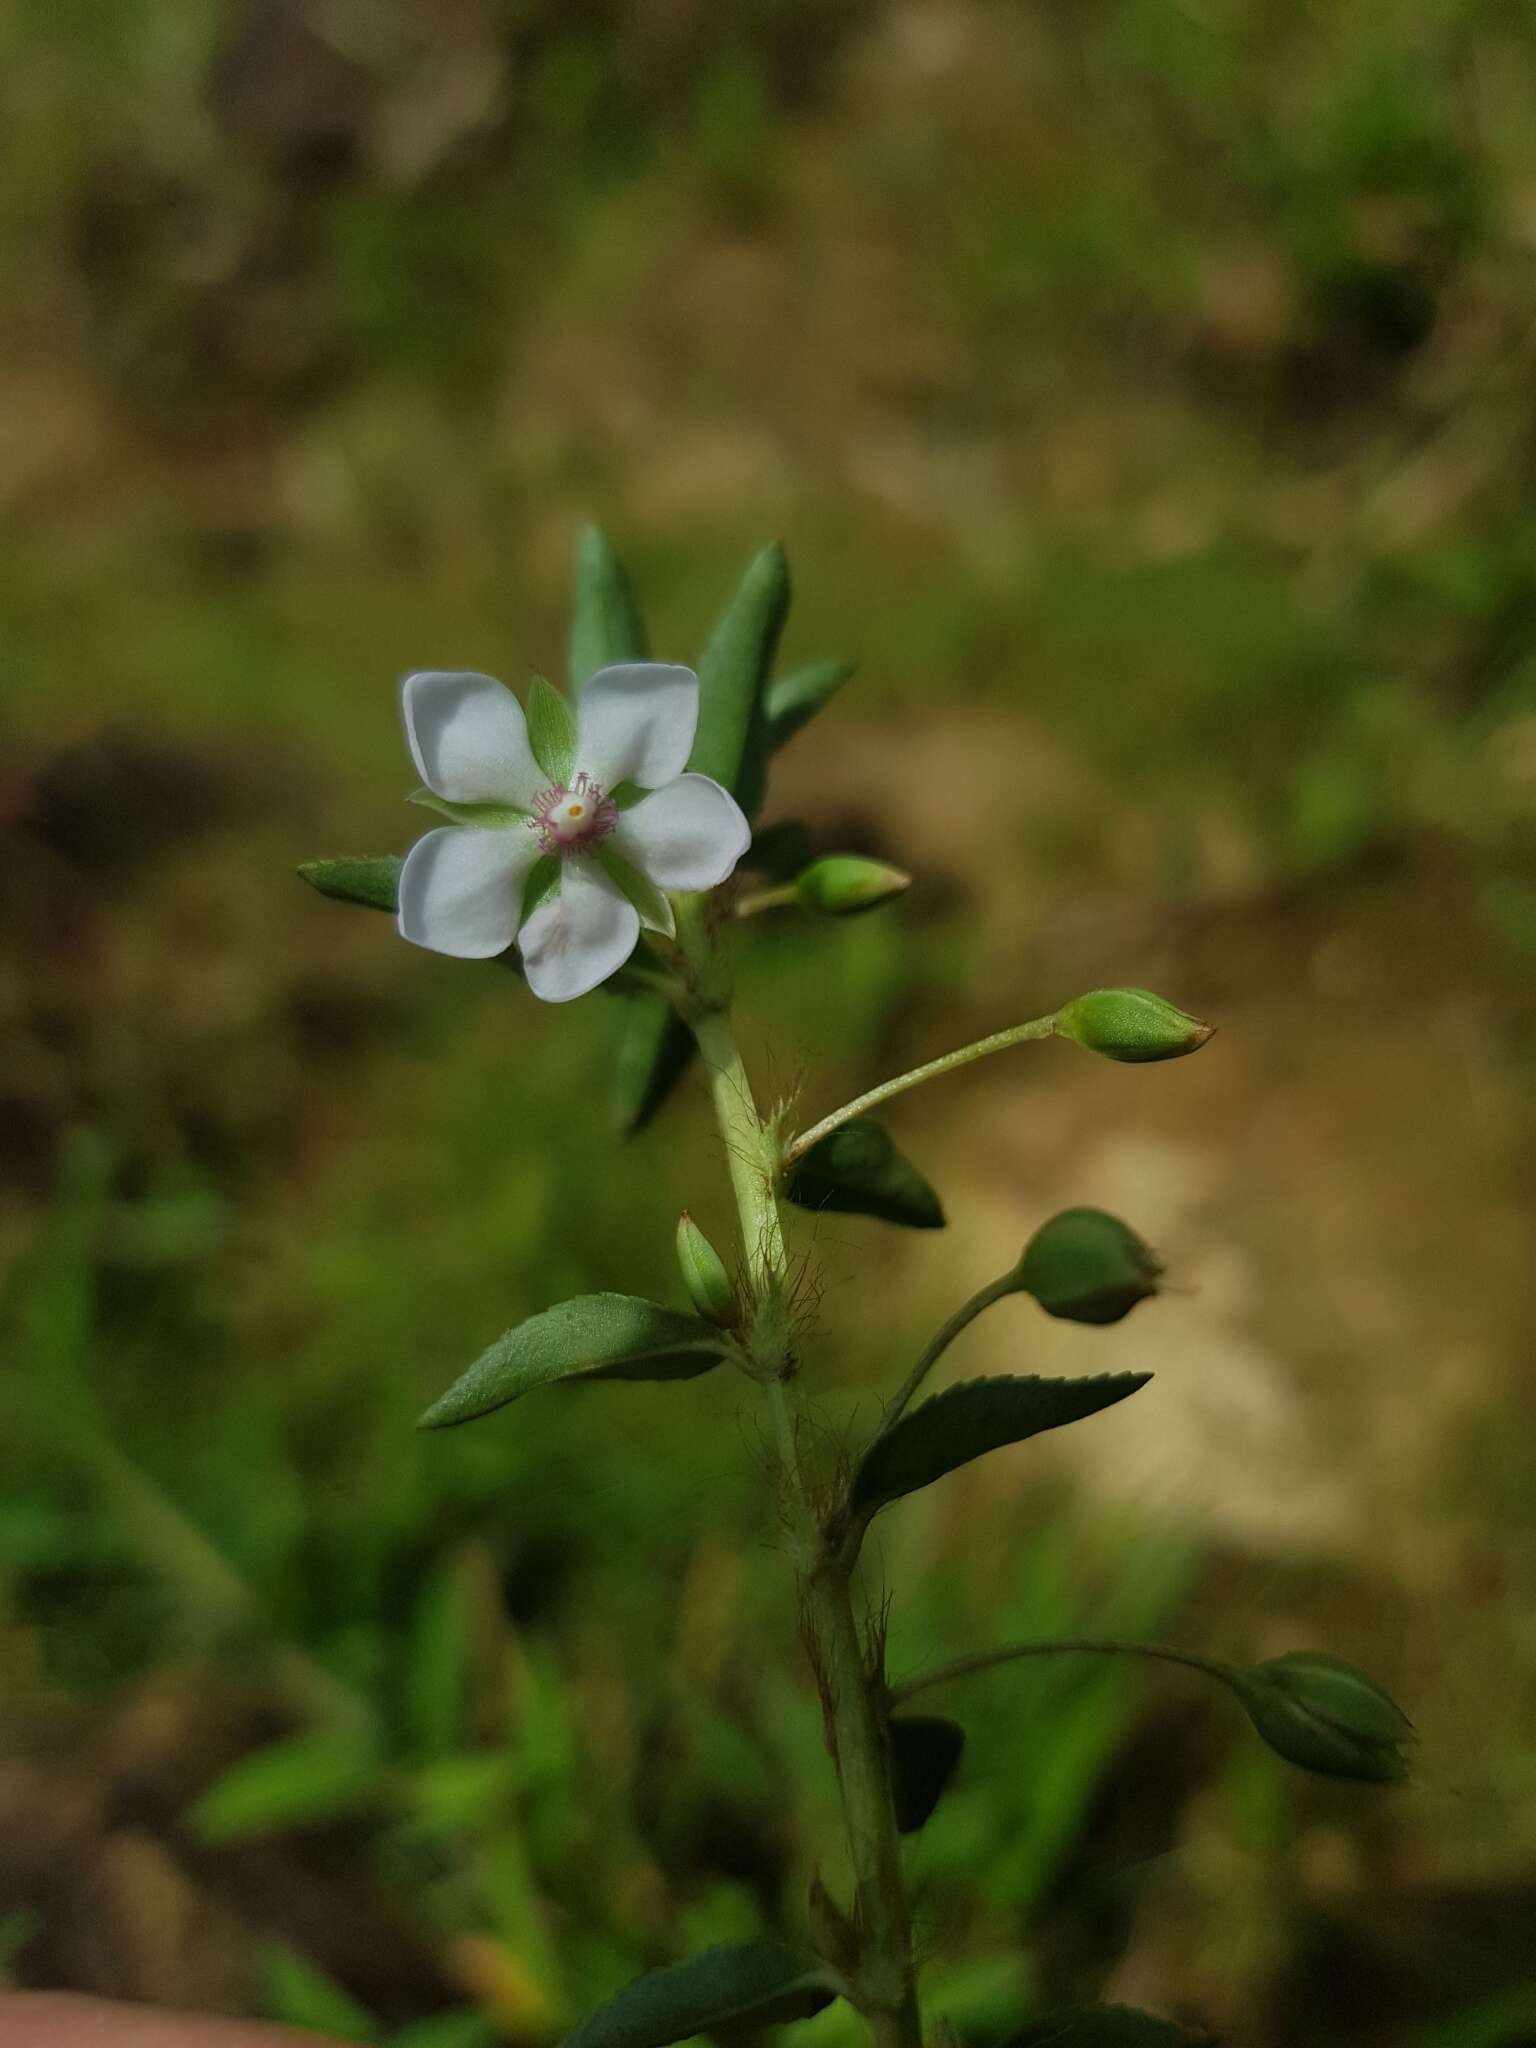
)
(653, 1051)
(487, 817)
(749, 1983)
(793, 700)
(1323, 1715)
(857, 1171)
(653, 904)
(1131, 1024)
(372, 880)
(731, 741)
(925, 1753)
(594, 1336)
(1086, 1266)
(847, 884)
(1107, 2026)
(967, 1421)
(551, 731)
(606, 622)
(542, 883)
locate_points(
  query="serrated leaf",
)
(551, 730)
(371, 880)
(758, 1982)
(292, 1783)
(653, 1051)
(857, 1171)
(925, 1752)
(731, 741)
(793, 700)
(967, 1421)
(1107, 2026)
(606, 622)
(594, 1336)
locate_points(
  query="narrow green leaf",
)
(757, 1982)
(371, 880)
(1107, 2026)
(551, 730)
(978, 1416)
(793, 700)
(654, 1050)
(595, 1336)
(731, 742)
(925, 1751)
(857, 1171)
(606, 625)
(298, 1994)
(287, 1784)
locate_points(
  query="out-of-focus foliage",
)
(1144, 390)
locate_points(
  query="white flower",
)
(464, 889)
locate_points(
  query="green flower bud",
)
(1130, 1024)
(1322, 1714)
(1088, 1267)
(704, 1275)
(843, 884)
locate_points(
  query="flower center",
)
(573, 820)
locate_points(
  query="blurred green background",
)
(1145, 391)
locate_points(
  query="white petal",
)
(580, 936)
(686, 836)
(461, 890)
(635, 723)
(469, 739)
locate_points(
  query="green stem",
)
(781, 897)
(852, 1692)
(963, 1317)
(1000, 1041)
(984, 1660)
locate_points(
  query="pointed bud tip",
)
(1321, 1714)
(1132, 1025)
(705, 1278)
(844, 884)
(1086, 1266)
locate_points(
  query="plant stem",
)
(963, 1317)
(1000, 1041)
(852, 1692)
(780, 897)
(984, 1660)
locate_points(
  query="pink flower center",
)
(573, 820)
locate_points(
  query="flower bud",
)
(843, 884)
(704, 1275)
(1088, 1267)
(1130, 1024)
(1322, 1714)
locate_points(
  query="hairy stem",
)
(1000, 1041)
(852, 1684)
(984, 1660)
